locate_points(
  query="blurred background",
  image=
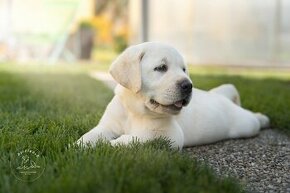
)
(207, 32)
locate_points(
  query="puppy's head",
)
(158, 73)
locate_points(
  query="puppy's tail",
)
(263, 119)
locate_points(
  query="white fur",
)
(210, 116)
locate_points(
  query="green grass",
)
(47, 108)
(247, 72)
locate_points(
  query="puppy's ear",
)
(126, 69)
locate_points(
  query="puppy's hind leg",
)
(263, 119)
(229, 91)
(248, 124)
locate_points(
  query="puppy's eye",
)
(184, 70)
(161, 68)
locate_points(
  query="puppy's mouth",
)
(174, 107)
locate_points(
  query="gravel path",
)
(261, 163)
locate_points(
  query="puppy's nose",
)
(185, 86)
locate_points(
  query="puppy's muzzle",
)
(185, 87)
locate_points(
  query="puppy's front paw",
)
(114, 142)
(83, 142)
(122, 140)
(117, 142)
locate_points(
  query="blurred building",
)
(52, 30)
(39, 29)
(240, 32)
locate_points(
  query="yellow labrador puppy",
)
(154, 97)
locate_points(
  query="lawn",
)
(47, 108)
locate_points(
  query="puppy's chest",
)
(132, 124)
(146, 126)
